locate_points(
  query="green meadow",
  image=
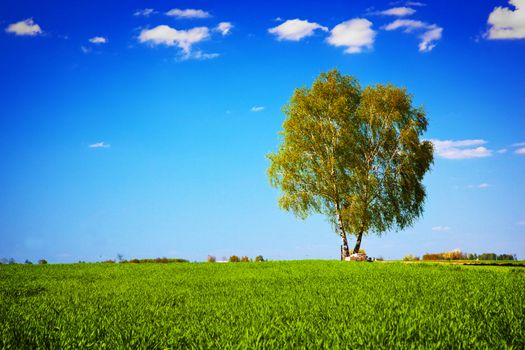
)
(271, 305)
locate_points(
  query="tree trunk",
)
(346, 251)
(342, 233)
(358, 243)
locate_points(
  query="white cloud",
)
(415, 3)
(198, 55)
(398, 11)
(429, 33)
(520, 150)
(224, 28)
(144, 12)
(518, 144)
(188, 13)
(441, 228)
(355, 34)
(165, 35)
(483, 185)
(85, 49)
(501, 151)
(521, 223)
(295, 29)
(506, 23)
(26, 27)
(98, 40)
(100, 145)
(257, 108)
(461, 149)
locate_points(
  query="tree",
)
(354, 155)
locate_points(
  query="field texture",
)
(273, 305)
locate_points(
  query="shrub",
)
(505, 257)
(211, 259)
(42, 262)
(245, 259)
(455, 254)
(411, 257)
(259, 258)
(109, 261)
(12, 261)
(233, 258)
(487, 256)
(28, 262)
(472, 256)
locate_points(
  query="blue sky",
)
(141, 128)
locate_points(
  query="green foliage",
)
(259, 258)
(275, 305)
(352, 154)
(245, 259)
(411, 257)
(234, 258)
(154, 261)
(42, 262)
(211, 259)
(488, 256)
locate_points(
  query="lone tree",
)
(354, 155)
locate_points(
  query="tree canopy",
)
(354, 155)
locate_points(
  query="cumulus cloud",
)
(165, 35)
(100, 145)
(295, 29)
(461, 149)
(507, 23)
(398, 11)
(98, 40)
(26, 27)
(257, 108)
(224, 28)
(441, 228)
(428, 33)
(520, 150)
(355, 34)
(144, 12)
(188, 13)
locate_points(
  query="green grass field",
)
(273, 305)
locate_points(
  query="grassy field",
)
(296, 304)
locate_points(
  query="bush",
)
(245, 259)
(233, 258)
(42, 262)
(28, 262)
(455, 254)
(487, 256)
(211, 259)
(259, 258)
(505, 257)
(411, 257)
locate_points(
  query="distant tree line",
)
(459, 255)
(12, 261)
(235, 258)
